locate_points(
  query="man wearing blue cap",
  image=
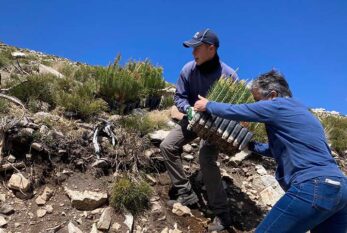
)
(195, 79)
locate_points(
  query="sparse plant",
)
(167, 101)
(143, 124)
(67, 69)
(130, 195)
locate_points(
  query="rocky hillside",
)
(64, 170)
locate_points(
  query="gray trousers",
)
(171, 149)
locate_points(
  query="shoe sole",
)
(191, 201)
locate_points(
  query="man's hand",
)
(200, 105)
(190, 113)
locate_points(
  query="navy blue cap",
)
(206, 36)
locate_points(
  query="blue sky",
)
(305, 40)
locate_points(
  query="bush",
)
(123, 86)
(118, 85)
(336, 131)
(129, 195)
(86, 73)
(150, 77)
(36, 87)
(81, 100)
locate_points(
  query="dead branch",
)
(11, 166)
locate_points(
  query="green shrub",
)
(130, 195)
(36, 87)
(118, 85)
(150, 77)
(81, 100)
(85, 73)
(336, 131)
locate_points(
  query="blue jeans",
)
(318, 205)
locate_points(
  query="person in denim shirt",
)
(316, 189)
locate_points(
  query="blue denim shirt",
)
(296, 138)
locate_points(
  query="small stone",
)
(49, 209)
(6, 209)
(95, 229)
(2, 197)
(86, 200)
(188, 157)
(115, 226)
(73, 229)
(18, 182)
(97, 211)
(101, 163)
(28, 156)
(39, 201)
(11, 159)
(3, 221)
(181, 210)
(37, 146)
(41, 212)
(105, 219)
(16, 225)
(187, 148)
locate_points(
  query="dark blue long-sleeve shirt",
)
(296, 138)
(192, 82)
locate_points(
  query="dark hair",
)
(272, 81)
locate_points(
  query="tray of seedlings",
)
(228, 135)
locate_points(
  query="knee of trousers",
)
(168, 151)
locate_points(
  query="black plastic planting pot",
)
(228, 135)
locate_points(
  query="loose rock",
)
(18, 182)
(87, 200)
